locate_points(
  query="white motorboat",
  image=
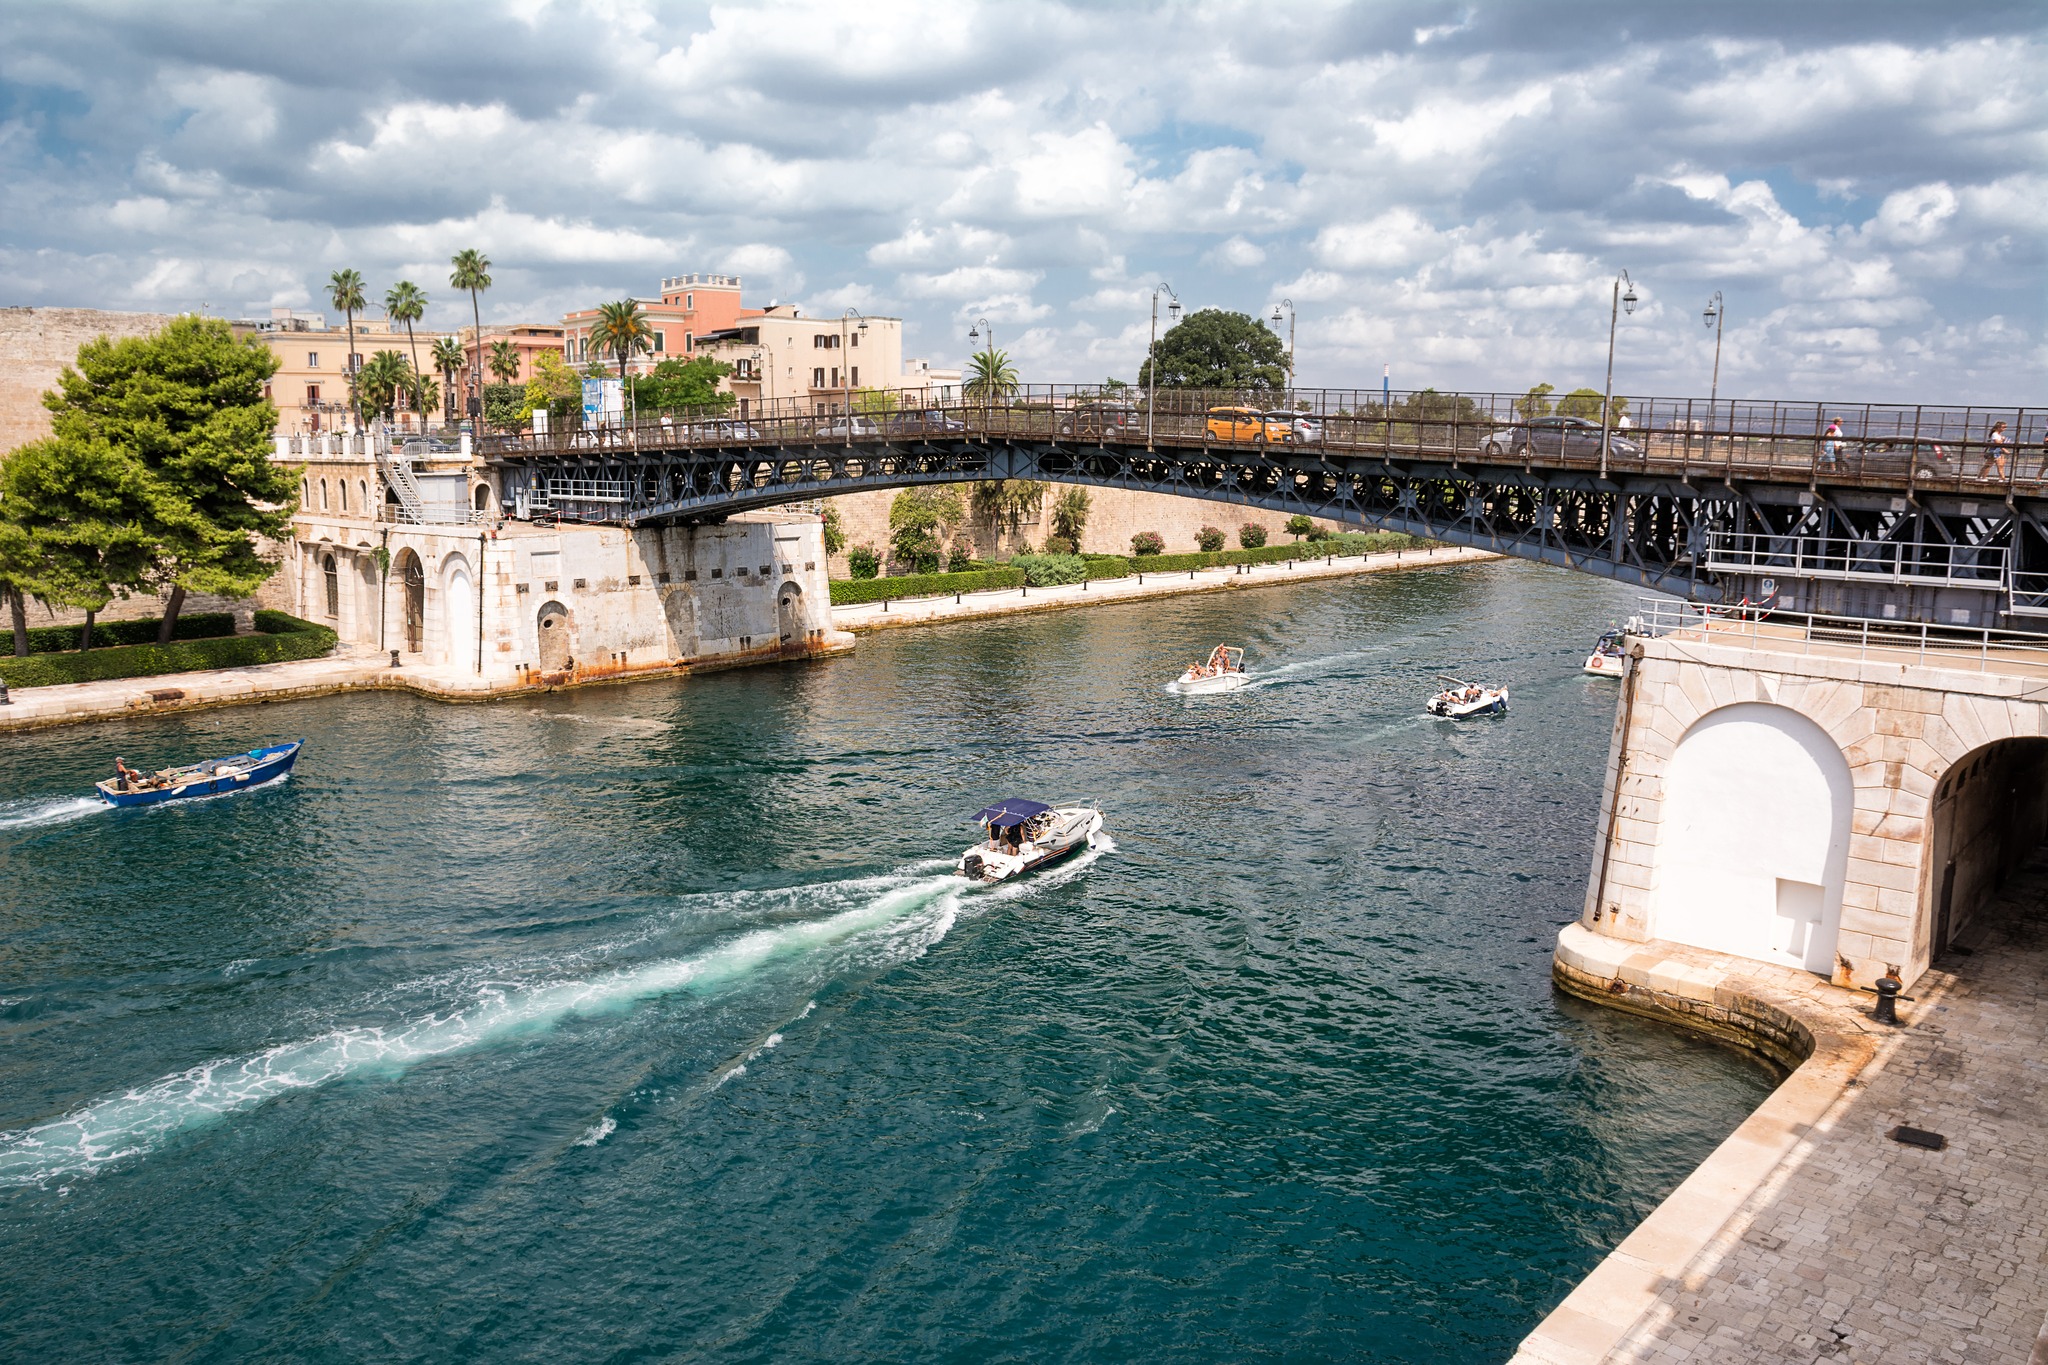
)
(1608, 656)
(1224, 672)
(1463, 700)
(1024, 835)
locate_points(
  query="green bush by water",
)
(198, 625)
(281, 638)
(1046, 571)
(847, 592)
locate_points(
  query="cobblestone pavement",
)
(1868, 1250)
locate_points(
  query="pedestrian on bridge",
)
(1831, 446)
(1994, 450)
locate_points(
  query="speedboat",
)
(1223, 672)
(1608, 656)
(1023, 835)
(238, 772)
(1463, 700)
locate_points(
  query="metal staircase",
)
(397, 474)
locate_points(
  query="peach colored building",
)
(528, 340)
(689, 307)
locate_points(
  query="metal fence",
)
(1979, 649)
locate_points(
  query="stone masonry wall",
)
(35, 346)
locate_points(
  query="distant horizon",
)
(1451, 188)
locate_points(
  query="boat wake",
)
(897, 920)
(37, 812)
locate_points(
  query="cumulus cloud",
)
(1446, 189)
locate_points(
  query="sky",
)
(1447, 189)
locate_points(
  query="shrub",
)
(1148, 543)
(1299, 526)
(835, 531)
(1107, 566)
(1209, 539)
(1318, 533)
(847, 592)
(961, 559)
(863, 562)
(282, 638)
(198, 625)
(1070, 513)
(1045, 571)
(1061, 545)
(1251, 535)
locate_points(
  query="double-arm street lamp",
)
(1288, 304)
(1715, 315)
(846, 368)
(1621, 301)
(988, 376)
(1151, 350)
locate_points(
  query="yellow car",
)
(1246, 424)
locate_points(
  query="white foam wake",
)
(30, 814)
(916, 915)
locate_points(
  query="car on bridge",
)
(928, 422)
(1301, 428)
(1095, 421)
(1555, 436)
(851, 428)
(1249, 424)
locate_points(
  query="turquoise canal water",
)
(644, 1022)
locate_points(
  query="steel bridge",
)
(1884, 512)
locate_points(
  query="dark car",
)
(1094, 421)
(928, 422)
(1555, 436)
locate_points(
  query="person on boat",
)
(126, 778)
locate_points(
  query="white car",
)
(861, 427)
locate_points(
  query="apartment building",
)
(778, 356)
(310, 388)
(690, 307)
(527, 339)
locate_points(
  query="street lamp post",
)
(1288, 304)
(988, 379)
(846, 369)
(1621, 301)
(1151, 358)
(1715, 315)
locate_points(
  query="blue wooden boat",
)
(215, 776)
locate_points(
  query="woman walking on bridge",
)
(1994, 450)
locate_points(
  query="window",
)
(818, 341)
(266, 393)
(341, 486)
(818, 378)
(689, 300)
(363, 495)
(835, 376)
(312, 395)
(659, 339)
(689, 341)
(333, 576)
(323, 495)
(856, 336)
(355, 361)
(855, 381)
(305, 492)
(312, 360)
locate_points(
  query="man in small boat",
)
(127, 779)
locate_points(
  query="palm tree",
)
(473, 272)
(990, 375)
(384, 376)
(406, 302)
(448, 357)
(622, 329)
(345, 288)
(505, 361)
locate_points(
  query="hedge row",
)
(1108, 566)
(847, 592)
(1372, 542)
(284, 638)
(198, 625)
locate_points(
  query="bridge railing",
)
(1845, 557)
(1978, 648)
(1960, 448)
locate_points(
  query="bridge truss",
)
(1904, 517)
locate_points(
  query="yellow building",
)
(310, 388)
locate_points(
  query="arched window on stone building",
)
(333, 576)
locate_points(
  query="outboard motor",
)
(972, 866)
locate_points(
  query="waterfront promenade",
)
(1811, 1234)
(363, 669)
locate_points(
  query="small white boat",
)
(1023, 835)
(1224, 672)
(1608, 657)
(1463, 701)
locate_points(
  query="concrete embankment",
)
(1014, 601)
(1813, 1232)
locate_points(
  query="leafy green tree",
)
(622, 331)
(1070, 513)
(449, 358)
(1006, 504)
(1218, 349)
(473, 272)
(1536, 402)
(1299, 525)
(1586, 403)
(73, 531)
(919, 519)
(875, 402)
(504, 363)
(554, 387)
(834, 530)
(406, 302)
(345, 289)
(675, 384)
(990, 377)
(187, 406)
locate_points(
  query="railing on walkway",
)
(1971, 647)
(1843, 557)
(1899, 446)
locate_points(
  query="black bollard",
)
(394, 658)
(5, 700)
(1888, 988)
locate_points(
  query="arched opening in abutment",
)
(1755, 842)
(1990, 813)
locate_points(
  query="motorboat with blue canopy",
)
(1025, 834)
(212, 777)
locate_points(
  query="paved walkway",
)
(1013, 601)
(1851, 1246)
